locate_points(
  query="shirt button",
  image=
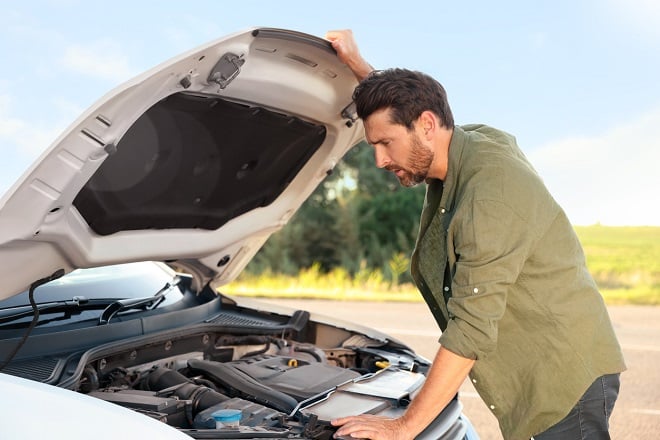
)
(446, 289)
(474, 380)
(443, 210)
(475, 290)
(492, 407)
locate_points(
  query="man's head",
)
(406, 118)
(407, 93)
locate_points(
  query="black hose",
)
(202, 397)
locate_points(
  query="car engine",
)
(282, 388)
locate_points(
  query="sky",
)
(577, 82)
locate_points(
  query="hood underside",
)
(197, 161)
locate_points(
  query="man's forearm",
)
(445, 377)
(361, 69)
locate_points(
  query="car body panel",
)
(42, 411)
(281, 72)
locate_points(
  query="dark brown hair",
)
(407, 93)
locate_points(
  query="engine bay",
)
(282, 387)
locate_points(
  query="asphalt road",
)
(637, 412)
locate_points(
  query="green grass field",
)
(625, 261)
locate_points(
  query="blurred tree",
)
(360, 215)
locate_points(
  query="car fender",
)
(33, 410)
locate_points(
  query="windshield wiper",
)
(147, 302)
(77, 302)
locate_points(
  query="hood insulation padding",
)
(195, 161)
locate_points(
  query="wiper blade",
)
(147, 302)
(19, 312)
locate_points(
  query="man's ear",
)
(427, 123)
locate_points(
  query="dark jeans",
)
(589, 419)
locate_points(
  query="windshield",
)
(131, 280)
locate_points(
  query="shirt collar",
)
(446, 189)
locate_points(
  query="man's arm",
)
(442, 383)
(344, 44)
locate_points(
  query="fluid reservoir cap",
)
(227, 418)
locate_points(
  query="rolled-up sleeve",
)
(490, 244)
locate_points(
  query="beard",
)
(417, 168)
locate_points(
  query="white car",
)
(115, 245)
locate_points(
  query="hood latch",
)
(226, 69)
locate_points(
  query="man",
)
(499, 265)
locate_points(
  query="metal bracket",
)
(350, 114)
(226, 69)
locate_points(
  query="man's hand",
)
(442, 382)
(347, 50)
(372, 427)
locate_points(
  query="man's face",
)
(397, 149)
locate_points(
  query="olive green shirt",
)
(504, 274)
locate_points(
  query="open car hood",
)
(195, 162)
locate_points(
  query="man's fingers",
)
(340, 421)
(364, 427)
(333, 35)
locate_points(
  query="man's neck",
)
(440, 164)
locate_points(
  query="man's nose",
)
(382, 160)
